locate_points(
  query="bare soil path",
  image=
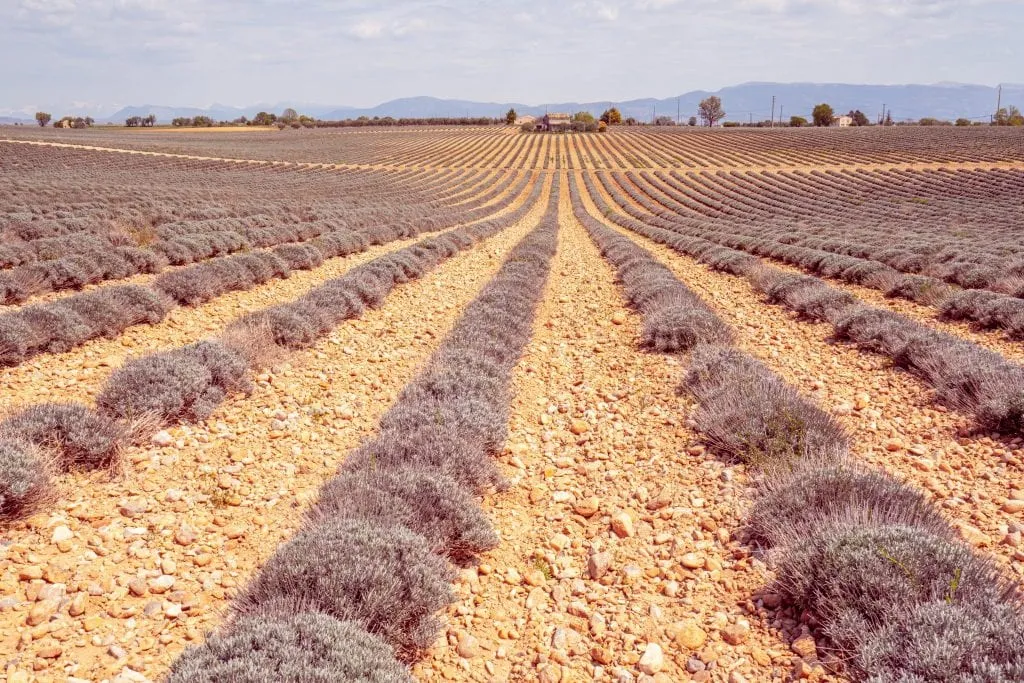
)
(617, 533)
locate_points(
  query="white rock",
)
(653, 659)
(162, 439)
(62, 533)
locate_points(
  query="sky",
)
(102, 54)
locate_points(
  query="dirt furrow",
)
(891, 415)
(147, 560)
(611, 494)
(993, 340)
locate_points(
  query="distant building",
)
(523, 120)
(554, 122)
(843, 121)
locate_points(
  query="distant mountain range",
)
(749, 101)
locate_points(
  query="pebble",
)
(1013, 507)
(587, 507)
(736, 634)
(805, 647)
(690, 636)
(162, 439)
(61, 534)
(598, 564)
(692, 561)
(622, 525)
(579, 427)
(41, 612)
(468, 647)
(653, 659)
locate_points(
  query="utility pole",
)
(677, 111)
(883, 114)
(751, 118)
(999, 101)
(781, 109)
(773, 111)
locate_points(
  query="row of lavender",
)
(899, 596)
(965, 376)
(356, 591)
(896, 271)
(69, 322)
(76, 260)
(188, 383)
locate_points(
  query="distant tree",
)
(711, 111)
(962, 122)
(602, 126)
(631, 121)
(79, 123)
(797, 122)
(133, 121)
(42, 118)
(89, 121)
(307, 121)
(692, 121)
(289, 115)
(664, 121)
(202, 122)
(511, 116)
(932, 121)
(612, 117)
(1009, 116)
(181, 121)
(859, 118)
(584, 117)
(823, 115)
(264, 119)
(888, 119)
(149, 121)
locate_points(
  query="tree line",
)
(710, 113)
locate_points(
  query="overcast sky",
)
(357, 52)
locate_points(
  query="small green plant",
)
(885, 554)
(954, 584)
(543, 567)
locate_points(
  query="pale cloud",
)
(358, 52)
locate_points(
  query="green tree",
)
(823, 115)
(264, 119)
(963, 122)
(511, 116)
(859, 118)
(711, 111)
(583, 117)
(797, 122)
(181, 122)
(133, 121)
(202, 122)
(1009, 116)
(42, 118)
(149, 120)
(692, 121)
(289, 115)
(612, 117)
